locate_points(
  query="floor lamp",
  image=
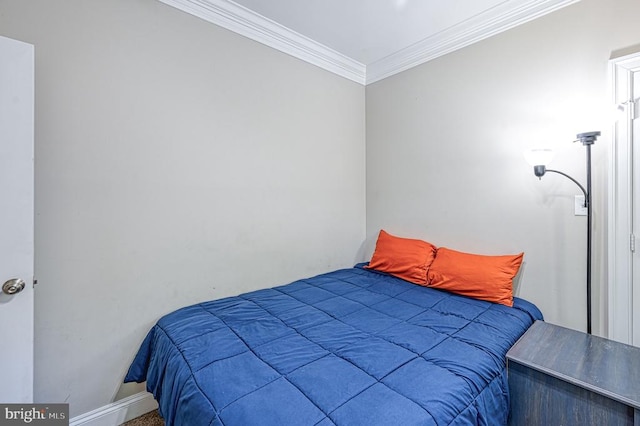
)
(539, 158)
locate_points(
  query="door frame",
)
(622, 241)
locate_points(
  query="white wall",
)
(175, 162)
(445, 143)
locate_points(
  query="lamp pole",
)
(587, 140)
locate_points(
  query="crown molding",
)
(248, 23)
(491, 22)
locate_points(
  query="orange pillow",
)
(404, 258)
(482, 277)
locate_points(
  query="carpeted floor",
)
(149, 419)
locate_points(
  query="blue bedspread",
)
(351, 347)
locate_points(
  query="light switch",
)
(580, 209)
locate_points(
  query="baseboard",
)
(117, 413)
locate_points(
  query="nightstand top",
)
(603, 366)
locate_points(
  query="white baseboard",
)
(117, 413)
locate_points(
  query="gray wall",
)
(445, 144)
(175, 162)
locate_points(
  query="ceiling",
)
(368, 40)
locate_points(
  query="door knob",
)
(13, 286)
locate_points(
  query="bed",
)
(350, 347)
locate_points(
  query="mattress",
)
(350, 347)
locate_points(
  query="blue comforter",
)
(351, 347)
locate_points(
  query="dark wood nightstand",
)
(559, 376)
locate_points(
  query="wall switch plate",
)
(580, 209)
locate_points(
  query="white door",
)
(624, 205)
(16, 220)
(634, 129)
